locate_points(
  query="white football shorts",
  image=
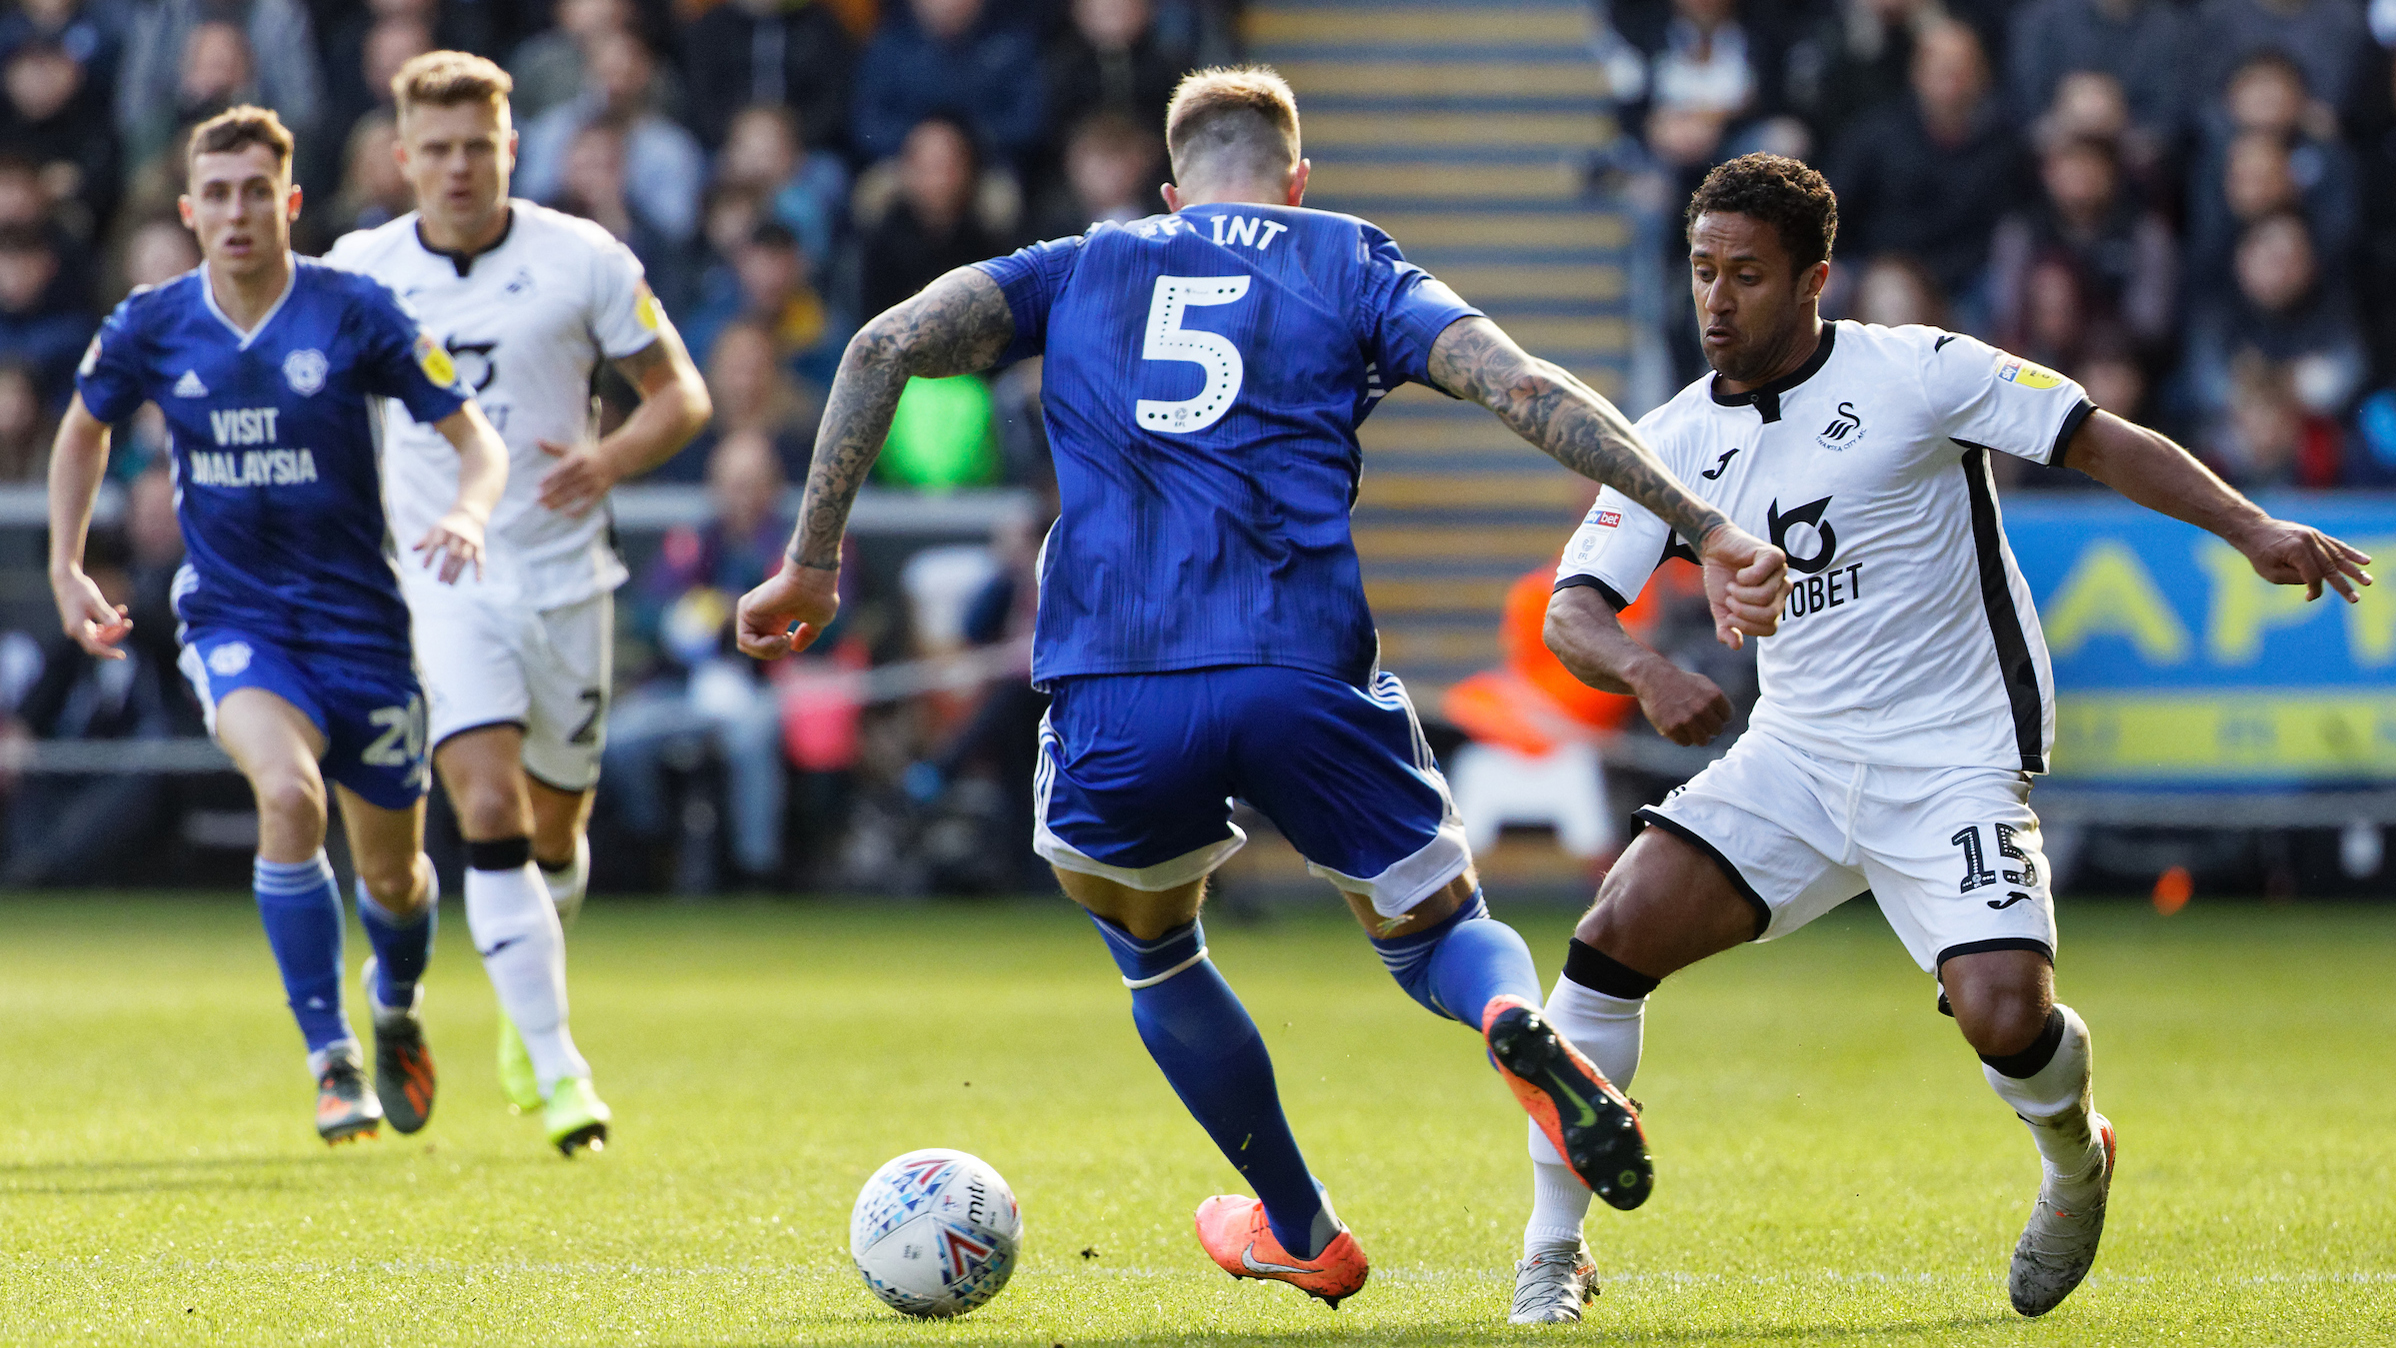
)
(546, 671)
(1952, 854)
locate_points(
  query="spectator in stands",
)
(2281, 313)
(785, 53)
(25, 423)
(593, 186)
(1112, 169)
(774, 289)
(2269, 145)
(1113, 58)
(42, 323)
(806, 189)
(2327, 40)
(277, 66)
(373, 190)
(950, 58)
(366, 52)
(756, 394)
(1895, 290)
(703, 693)
(157, 251)
(664, 169)
(548, 67)
(1931, 174)
(930, 227)
(1702, 75)
(54, 114)
(2121, 261)
(2268, 435)
(70, 828)
(90, 31)
(1852, 59)
(2141, 44)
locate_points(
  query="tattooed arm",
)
(1543, 403)
(956, 325)
(1746, 579)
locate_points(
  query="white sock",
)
(516, 931)
(2057, 1102)
(568, 884)
(1608, 1032)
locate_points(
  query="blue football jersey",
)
(1205, 374)
(274, 447)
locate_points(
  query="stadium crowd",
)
(2189, 207)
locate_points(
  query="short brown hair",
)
(440, 79)
(237, 128)
(1778, 191)
(1246, 111)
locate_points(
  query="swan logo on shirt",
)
(1847, 423)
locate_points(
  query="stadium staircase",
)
(1465, 128)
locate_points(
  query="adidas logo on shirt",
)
(189, 386)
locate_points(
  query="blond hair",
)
(440, 79)
(237, 128)
(1243, 117)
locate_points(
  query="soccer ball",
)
(935, 1232)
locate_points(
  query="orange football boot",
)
(1233, 1230)
(1592, 1126)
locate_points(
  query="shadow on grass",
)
(867, 1326)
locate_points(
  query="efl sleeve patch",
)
(434, 361)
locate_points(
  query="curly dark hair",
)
(1783, 193)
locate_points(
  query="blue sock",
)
(1455, 967)
(302, 910)
(1201, 1036)
(402, 946)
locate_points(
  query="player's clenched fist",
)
(1746, 584)
(787, 613)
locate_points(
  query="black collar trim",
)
(1766, 399)
(464, 261)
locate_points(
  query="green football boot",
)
(516, 1078)
(575, 1117)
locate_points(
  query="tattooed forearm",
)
(1572, 422)
(956, 325)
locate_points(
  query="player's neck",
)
(1803, 343)
(245, 298)
(464, 238)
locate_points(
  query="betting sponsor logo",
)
(1607, 519)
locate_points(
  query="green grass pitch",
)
(1830, 1167)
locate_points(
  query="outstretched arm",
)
(956, 325)
(2149, 468)
(1587, 636)
(1746, 579)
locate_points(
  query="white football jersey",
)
(1910, 640)
(527, 323)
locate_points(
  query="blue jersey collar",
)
(208, 297)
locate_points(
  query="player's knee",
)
(291, 800)
(489, 809)
(391, 881)
(2001, 1019)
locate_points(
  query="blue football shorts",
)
(369, 707)
(1137, 774)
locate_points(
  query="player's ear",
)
(1809, 285)
(183, 211)
(291, 203)
(1298, 177)
(1171, 195)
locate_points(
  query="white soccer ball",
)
(935, 1232)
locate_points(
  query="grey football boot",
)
(1551, 1286)
(2060, 1243)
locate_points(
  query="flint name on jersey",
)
(1909, 639)
(273, 447)
(1206, 372)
